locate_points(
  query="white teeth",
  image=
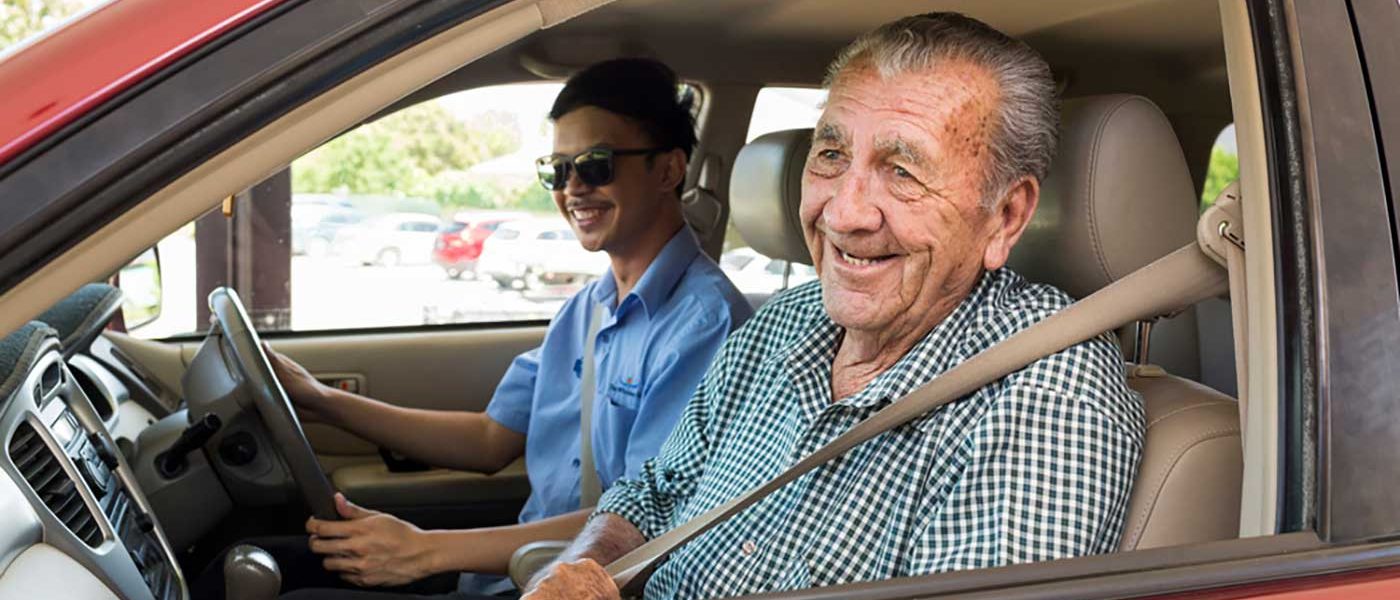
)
(858, 261)
(584, 214)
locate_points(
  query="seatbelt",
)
(1178, 280)
(1221, 232)
(589, 488)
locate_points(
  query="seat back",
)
(1188, 485)
(1118, 197)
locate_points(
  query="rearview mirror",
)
(140, 283)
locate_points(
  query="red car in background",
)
(459, 243)
(129, 123)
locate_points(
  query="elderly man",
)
(924, 170)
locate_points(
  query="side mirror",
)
(140, 283)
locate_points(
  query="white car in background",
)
(530, 253)
(754, 273)
(389, 240)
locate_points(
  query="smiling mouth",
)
(587, 214)
(858, 261)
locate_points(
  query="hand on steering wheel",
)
(272, 403)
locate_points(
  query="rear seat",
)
(1118, 197)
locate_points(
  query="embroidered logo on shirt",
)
(630, 386)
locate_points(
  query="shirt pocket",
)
(622, 399)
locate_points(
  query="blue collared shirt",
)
(652, 348)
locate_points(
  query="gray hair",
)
(1026, 126)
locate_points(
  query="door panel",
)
(439, 370)
(455, 369)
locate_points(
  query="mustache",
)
(585, 203)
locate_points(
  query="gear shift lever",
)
(250, 573)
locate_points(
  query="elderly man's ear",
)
(1009, 220)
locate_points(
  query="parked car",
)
(459, 242)
(315, 226)
(389, 240)
(530, 253)
(141, 117)
(754, 273)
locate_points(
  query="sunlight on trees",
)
(1224, 169)
(424, 152)
(21, 19)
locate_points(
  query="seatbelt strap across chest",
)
(590, 488)
(1178, 280)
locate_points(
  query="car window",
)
(23, 20)
(775, 109)
(780, 108)
(1224, 167)
(373, 229)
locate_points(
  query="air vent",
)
(59, 492)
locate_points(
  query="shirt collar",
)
(658, 280)
(810, 357)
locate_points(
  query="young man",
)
(621, 143)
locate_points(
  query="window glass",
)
(23, 20)
(775, 109)
(780, 108)
(429, 215)
(1224, 166)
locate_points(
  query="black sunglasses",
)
(594, 166)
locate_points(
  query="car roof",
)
(44, 99)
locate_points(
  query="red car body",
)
(62, 76)
(75, 72)
(459, 244)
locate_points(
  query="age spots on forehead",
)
(954, 99)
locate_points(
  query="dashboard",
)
(76, 522)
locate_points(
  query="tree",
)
(21, 19)
(404, 153)
(1224, 169)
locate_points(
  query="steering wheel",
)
(272, 404)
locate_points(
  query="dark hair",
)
(643, 90)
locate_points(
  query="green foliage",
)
(1224, 169)
(413, 152)
(529, 197)
(20, 19)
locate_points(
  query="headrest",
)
(765, 192)
(1119, 196)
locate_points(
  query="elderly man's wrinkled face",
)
(891, 196)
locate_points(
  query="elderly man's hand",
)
(578, 580)
(370, 548)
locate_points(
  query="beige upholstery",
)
(1086, 232)
(1188, 487)
(1118, 197)
(765, 192)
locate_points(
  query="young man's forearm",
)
(488, 550)
(456, 440)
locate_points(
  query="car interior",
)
(133, 462)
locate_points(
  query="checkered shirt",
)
(1035, 466)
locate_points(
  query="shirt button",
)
(577, 462)
(748, 548)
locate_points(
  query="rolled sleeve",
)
(510, 406)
